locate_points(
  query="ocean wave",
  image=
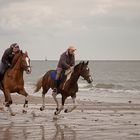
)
(83, 86)
(100, 85)
(108, 86)
(87, 87)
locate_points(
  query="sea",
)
(113, 81)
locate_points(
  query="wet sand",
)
(90, 121)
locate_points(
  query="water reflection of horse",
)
(64, 132)
(70, 89)
(13, 79)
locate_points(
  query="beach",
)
(91, 121)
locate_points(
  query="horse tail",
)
(38, 84)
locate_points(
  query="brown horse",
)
(13, 79)
(70, 88)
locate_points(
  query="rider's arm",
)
(63, 62)
(5, 56)
(73, 61)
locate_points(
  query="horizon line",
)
(90, 60)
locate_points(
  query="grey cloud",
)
(97, 27)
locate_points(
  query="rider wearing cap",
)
(7, 58)
(66, 61)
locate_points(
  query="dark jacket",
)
(7, 57)
(66, 61)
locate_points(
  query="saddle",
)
(62, 76)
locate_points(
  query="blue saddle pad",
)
(53, 76)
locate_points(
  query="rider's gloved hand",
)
(9, 65)
(71, 68)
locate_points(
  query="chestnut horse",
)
(13, 79)
(70, 88)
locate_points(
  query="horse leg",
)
(1, 105)
(25, 106)
(45, 90)
(43, 102)
(73, 107)
(62, 105)
(25, 94)
(54, 94)
(8, 102)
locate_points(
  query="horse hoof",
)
(24, 111)
(57, 109)
(55, 113)
(13, 114)
(1, 108)
(41, 108)
(55, 117)
(66, 111)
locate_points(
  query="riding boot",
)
(56, 86)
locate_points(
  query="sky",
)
(99, 29)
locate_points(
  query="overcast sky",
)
(99, 29)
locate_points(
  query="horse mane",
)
(16, 57)
(82, 63)
(79, 64)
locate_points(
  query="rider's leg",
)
(56, 85)
(3, 68)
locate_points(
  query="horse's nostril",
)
(28, 71)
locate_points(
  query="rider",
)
(7, 58)
(66, 61)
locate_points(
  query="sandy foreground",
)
(90, 121)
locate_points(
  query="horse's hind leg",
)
(45, 90)
(43, 102)
(8, 102)
(1, 105)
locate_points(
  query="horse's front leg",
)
(62, 105)
(25, 94)
(8, 102)
(70, 109)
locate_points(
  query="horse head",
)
(24, 61)
(84, 71)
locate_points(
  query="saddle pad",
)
(53, 76)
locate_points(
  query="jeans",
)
(58, 73)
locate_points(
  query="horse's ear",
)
(26, 53)
(87, 62)
(21, 52)
(83, 63)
